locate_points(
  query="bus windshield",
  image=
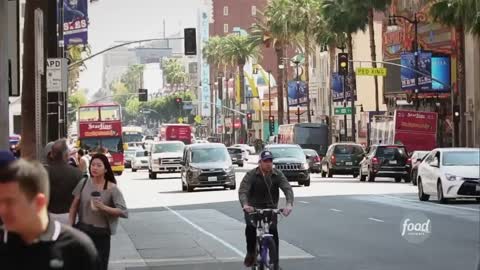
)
(112, 145)
(88, 114)
(110, 113)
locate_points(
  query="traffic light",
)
(142, 95)
(271, 121)
(343, 64)
(249, 120)
(179, 102)
(190, 41)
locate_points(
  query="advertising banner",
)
(416, 130)
(297, 93)
(337, 87)
(205, 67)
(75, 22)
(407, 75)
(425, 66)
(441, 71)
(408, 72)
(100, 129)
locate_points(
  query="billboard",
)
(297, 95)
(75, 22)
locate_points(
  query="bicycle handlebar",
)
(261, 211)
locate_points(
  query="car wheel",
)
(371, 176)
(407, 179)
(398, 179)
(421, 195)
(307, 183)
(154, 175)
(190, 189)
(477, 199)
(134, 170)
(233, 187)
(440, 196)
(355, 175)
(240, 164)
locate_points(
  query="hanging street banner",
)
(297, 93)
(204, 24)
(75, 22)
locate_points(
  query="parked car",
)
(385, 161)
(415, 159)
(248, 148)
(450, 173)
(314, 160)
(207, 165)
(238, 155)
(129, 154)
(140, 160)
(165, 157)
(290, 159)
(343, 159)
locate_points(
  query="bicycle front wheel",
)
(269, 255)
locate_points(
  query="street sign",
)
(343, 110)
(187, 106)
(57, 75)
(198, 119)
(371, 71)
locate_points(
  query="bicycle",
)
(266, 250)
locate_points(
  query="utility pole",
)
(54, 100)
(3, 76)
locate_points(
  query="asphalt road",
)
(337, 223)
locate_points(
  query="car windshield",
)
(391, 152)
(287, 152)
(470, 158)
(234, 150)
(217, 154)
(348, 150)
(132, 137)
(140, 154)
(168, 147)
(130, 153)
(310, 152)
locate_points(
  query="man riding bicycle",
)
(260, 189)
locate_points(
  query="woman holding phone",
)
(98, 203)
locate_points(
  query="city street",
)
(337, 223)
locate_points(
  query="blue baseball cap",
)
(266, 155)
(6, 157)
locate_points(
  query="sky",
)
(114, 20)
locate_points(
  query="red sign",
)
(238, 123)
(100, 129)
(176, 133)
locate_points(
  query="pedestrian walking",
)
(63, 180)
(98, 203)
(30, 238)
(83, 162)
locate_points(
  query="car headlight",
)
(156, 161)
(228, 170)
(451, 177)
(305, 166)
(195, 170)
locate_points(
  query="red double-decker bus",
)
(100, 129)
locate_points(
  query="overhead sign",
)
(343, 110)
(371, 71)
(57, 70)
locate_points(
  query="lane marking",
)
(200, 229)
(432, 204)
(304, 202)
(377, 220)
(335, 210)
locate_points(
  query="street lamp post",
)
(415, 47)
(296, 62)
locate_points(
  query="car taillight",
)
(409, 161)
(375, 160)
(333, 159)
(317, 159)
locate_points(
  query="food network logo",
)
(101, 126)
(416, 228)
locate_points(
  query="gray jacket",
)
(263, 191)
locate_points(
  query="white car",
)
(246, 147)
(139, 160)
(165, 157)
(450, 173)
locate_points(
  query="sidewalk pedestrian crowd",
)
(59, 212)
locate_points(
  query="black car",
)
(237, 154)
(343, 159)
(415, 160)
(291, 160)
(207, 165)
(385, 161)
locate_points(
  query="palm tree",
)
(274, 28)
(368, 8)
(304, 12)
(341, 18)
(239, 49)
(462, 15)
